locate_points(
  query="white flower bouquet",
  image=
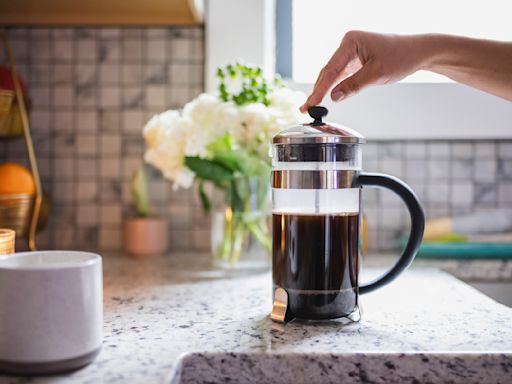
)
(224, 139)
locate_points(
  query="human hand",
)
(366, 58)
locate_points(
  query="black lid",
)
(318, 131)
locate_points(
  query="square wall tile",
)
(110, 168)
(87, 168)
(111, 215)
(64, 192)
(505, 193)
(63, 96)
(64, 168)
(86, 145)
(131, 50)
(461, 169)
(110, 239)
(87, 121)
(109, 73)
(179, 49)
(505, 150)
(109, 50)
(40, 74)
(415, 169)
(485, 170)
(462, 194)
(504, 171)
(131, 73)
(132, 121)
(62, 50)
(486, 195)
(438, 169)
(156, 50)
(438, 194)
(439, 150)
(179, 73)
(86, 50)
(463, 151)
(155, 96)
(86, 192)
(64, 121)
(485, 150)
(86, 73)
(87, 215)
(110, 96)
(415, 150)
(110, 145)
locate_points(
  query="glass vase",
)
(240, 235)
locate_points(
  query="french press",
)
(316, 220)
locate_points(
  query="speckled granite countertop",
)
(172, 320)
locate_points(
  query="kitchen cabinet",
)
(101, 12)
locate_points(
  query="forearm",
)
(482, 64)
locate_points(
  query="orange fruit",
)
(15, 178)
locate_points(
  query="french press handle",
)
(410, 199)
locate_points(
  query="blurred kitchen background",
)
(92, 89)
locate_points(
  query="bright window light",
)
(318, 26)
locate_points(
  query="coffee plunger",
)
(317, 179)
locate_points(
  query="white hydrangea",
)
(171, 135)
(165, 136)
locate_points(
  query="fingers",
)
(331, 73)
(366, 76)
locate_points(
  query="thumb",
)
(366, 76)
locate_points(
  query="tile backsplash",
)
(92, 90)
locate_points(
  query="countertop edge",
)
(275, 367)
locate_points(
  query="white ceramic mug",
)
(51, 311)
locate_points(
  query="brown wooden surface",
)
(99, 12)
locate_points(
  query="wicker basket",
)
(10, 120)
(15, 212)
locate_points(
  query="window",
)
(318, 26)
(408, 110)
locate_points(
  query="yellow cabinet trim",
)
(101, 12)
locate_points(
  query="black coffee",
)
(316, 259)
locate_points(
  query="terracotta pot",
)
(145, 236)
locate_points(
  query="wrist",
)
(436, 51)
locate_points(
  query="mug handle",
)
(417, 224)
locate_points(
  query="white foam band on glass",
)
(315, 201)
(316, 166)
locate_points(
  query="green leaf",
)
(140, 192)
(209, 170)
(254, 87)
(233, 198)
(223, 144)
(205, 200)
(242, 188)
(244, 162)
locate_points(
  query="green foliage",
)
(205, 200)
(209, 170)
(254, 88)
(242, 175)
(140, 192)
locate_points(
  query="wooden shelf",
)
(101, 12)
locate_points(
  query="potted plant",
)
(223, 139)
(144, 235)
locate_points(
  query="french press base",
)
(280, 313)
(317, 179)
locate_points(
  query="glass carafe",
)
(316, 221)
